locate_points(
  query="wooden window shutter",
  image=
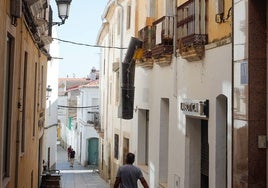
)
(16, 8)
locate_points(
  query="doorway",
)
(93, 151)
(196, 153)
(125, 149)
(204, 155)
(221, 141)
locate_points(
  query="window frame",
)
(187, 22)
(24, 96)
(7, 113)
(128, 21)
(116, 146)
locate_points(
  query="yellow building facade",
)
(23, 64)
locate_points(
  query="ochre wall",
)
(215, 30)
(23, 41)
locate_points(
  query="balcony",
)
(157, 42)
(145, 35)
(192, 47)
(191, 37)
(162, 40)
(35, 13)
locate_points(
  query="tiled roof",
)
(93, 83)
(75, 83)
(71, 83)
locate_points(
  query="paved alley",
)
(77, 176)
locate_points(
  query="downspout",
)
(17, 152)
(174, 27)
(174, 47)
(121, 57)
(120, 67)
(18, 120)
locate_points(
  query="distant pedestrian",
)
(69, 149)
(44, 166)
(128, 174)
(72, 156)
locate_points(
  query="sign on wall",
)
(195, 108)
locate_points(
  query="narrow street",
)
(77, 176)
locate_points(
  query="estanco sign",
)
(195, 108)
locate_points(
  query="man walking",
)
(72, 156)
(69, 149)
(128, 174)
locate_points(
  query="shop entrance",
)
(204, 155)
(197, 153)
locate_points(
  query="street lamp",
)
(48, 91)
(63, 10)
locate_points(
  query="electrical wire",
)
(88, 45)
(61, 106)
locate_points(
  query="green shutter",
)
(70, 122)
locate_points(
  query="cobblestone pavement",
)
(77, 176)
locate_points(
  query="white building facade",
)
(51, 117)
(78, 113)
(87, 119)
(187, 89)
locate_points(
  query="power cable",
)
(88, 45)
(61, 106)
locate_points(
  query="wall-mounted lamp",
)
(63, 11)
(219, 18)
(48, 91)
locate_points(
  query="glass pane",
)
(191, 28)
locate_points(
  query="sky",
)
(82, 26)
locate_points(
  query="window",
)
(35, 101)
(102, 158)
(32, 176)
(42, 86)
(117, 91)
(93, 116)
(23, 124)
(186, 15)
(116, 146)
(69, 123)
(191, 30)
(6, 134)
(128, 16)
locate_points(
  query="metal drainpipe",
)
(174, 46)
(175, 27)
(121, 29)
(120, 64)
(18, 125)
(121, 55)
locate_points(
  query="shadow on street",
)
(77, 176)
